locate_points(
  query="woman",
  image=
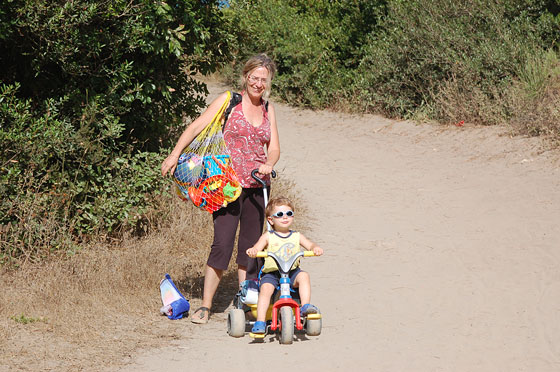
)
(251, 125)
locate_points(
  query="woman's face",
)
(256, 81)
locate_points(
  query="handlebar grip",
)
(308, 254)
(262, 254)
(260, 180)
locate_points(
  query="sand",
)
(442, 253)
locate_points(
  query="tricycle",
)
(284, 315)
(285, 305)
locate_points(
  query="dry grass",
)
(459, 100)
(530, 105)
(97, 307)
(536, 112)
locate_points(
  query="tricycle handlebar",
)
(260, 180)
(264, 254)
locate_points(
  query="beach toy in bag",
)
(204, 174)
(188, 172)
(175, 305)
(219, 187)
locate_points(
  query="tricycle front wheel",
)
(287, 330)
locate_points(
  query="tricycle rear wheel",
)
(236, 323)
(313, 327)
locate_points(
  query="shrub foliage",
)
(90, 91)
(430, 50)
(316, 44)
(436, 58)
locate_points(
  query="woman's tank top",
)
(245, 144)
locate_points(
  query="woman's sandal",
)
(203, 315)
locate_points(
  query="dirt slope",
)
(442, 253)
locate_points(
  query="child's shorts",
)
(274, 277)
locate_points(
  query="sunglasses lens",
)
(281, 214)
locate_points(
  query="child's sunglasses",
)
(281, 214)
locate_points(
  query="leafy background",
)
(94, 93)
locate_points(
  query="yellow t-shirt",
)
(284, 247)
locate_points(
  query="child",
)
(280, 215)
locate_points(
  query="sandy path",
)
(442, 253)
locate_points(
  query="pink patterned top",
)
(245, 143)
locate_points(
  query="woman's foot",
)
(201, 315)
(309, 309)
(259, 327)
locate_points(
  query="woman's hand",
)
(265, 169)
(252, 252)
(169, 165)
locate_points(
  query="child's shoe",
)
(309, 309)
(259, 327)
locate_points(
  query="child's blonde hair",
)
(276, 202)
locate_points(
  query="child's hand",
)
(317, 251)
(251, 252)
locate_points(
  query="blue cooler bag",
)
(175, 303)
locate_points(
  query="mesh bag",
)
(204, 174)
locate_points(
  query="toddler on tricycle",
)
(281, 248)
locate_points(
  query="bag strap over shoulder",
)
(236, 99)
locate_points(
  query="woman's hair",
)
(276, 203)
(260, 60)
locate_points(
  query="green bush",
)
(91, 91)
(53, 188)
(314, 43)
(439, 59)
(424, 45)
(131, 60)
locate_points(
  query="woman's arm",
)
(309, 245)
(259, 246)
(273, 147)
(170, 163)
